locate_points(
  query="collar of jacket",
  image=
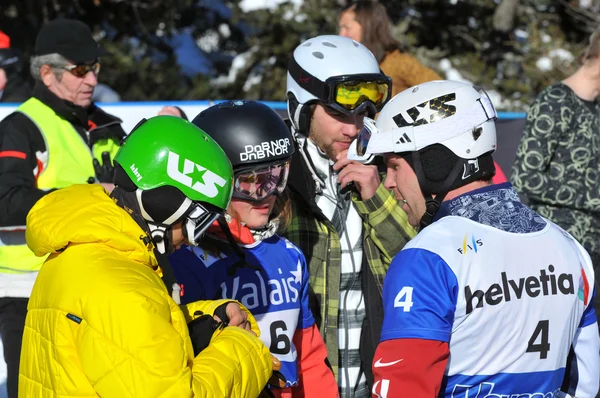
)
(74, 114)
(301, 181)
(103, 125)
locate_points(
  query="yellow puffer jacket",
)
(100, 320)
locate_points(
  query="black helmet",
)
(258, 143)
(249, 132)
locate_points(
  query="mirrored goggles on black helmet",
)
(258, 184)
(198, 219)
(347, 93)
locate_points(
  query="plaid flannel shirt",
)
(385, 231)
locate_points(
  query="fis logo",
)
(206, 181)
(486, 390)
(470, 245)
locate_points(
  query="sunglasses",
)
(258, 184)
(83, 69)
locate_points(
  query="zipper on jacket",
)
(325, 299)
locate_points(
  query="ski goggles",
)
(258, 184)
(197, 221)
(350, 94)
(371, 141)
(347, 93)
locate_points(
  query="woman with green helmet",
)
(101, 321)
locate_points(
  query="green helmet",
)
(166, 152)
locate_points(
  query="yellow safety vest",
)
(69, 162)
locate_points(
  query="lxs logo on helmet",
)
(206, 181)
(265, 149)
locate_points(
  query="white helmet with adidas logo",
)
(457, 115)
(445, 131)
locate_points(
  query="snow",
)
(253, 5)
(238, 63)
(209, 41)
(495, 97)
(546, 38)
(450, 72)
(224, 30)
(544, 64)
(561, 54)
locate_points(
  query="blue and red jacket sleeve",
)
(419, 295)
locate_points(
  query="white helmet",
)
(338, 71)
(446, 131)
(454, 114)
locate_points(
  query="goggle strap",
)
(307, 81)
(138, 196)
(414, 138)
(187, 202)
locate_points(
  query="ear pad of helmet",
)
(162, 203)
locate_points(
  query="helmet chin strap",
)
(432, 205)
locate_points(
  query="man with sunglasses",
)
(346, 223)
(489, 299)
(55, 139)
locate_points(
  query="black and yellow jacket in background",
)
(46, 144)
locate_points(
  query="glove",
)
(276, 380)
(105, 172)
(201, 330)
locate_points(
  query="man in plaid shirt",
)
(346, 223)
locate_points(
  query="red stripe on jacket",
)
(13, 154)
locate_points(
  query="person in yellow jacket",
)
(56, 138)
(101, 321)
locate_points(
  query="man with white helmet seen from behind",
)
(489, 298)
(346, 223)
